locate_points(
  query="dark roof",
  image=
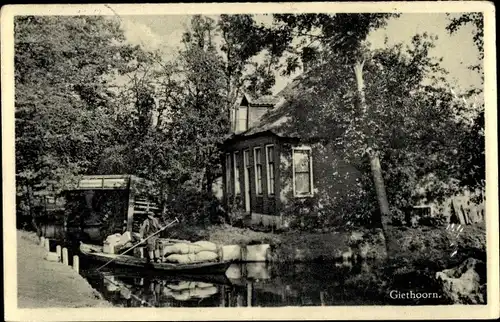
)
(276, 119)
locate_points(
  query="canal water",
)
(261, 284)
(256, 285)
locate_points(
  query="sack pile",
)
(187, 253)
(114, 243)
(183, 291)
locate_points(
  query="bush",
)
(435, 221)
(195, 207)
(398, 217)
(304, 214)
(235, 213)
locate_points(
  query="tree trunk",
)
(375, 166)
(378, 181)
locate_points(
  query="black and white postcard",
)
(250, 161)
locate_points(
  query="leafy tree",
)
(242, 40)
(341, 40)
(471, 155)
(475, 19)
(392, 105)
(63, 95)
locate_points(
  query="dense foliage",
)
(89, 103)
(429, 139)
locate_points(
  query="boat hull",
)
(130, 261)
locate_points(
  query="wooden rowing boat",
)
(93, 252)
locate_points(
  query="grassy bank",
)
(44, 284)
(417, 245)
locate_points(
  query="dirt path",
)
(43, 284)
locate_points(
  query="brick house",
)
(267, 166)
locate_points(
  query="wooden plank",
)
(142, 208)
(140, 212)
(130, 211)
(146, 206)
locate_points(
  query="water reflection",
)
(244, 285)
(247, 285)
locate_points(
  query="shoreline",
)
(416, 245)
(45, 284)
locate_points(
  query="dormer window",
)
(249, 112)
(241, 119)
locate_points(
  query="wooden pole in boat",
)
(141, 242)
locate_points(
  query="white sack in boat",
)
(125, 238)
(203, 256)
(231, 252)
(109, 248)
(206, 245)
(206, 256)
(181, 248)
(113, 238)
(181, 258)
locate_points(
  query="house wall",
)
(259, 204)
(333, 180)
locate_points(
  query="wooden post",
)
(65, 256)
(58, 252)
(131, 202)
(47, 244)
(76, 263)
(223, 296)
(249, 294)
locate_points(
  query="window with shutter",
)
(258, 170)
(270, 169)
(236, 161)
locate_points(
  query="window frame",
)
(311, 181)
(268, 177)
(236, 173)
(256, 172)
